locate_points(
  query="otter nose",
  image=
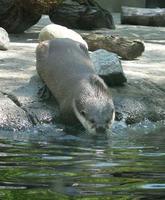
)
(100, 129)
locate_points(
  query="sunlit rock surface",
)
(141, 98)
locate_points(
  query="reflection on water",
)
(48, 163)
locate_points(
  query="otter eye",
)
(92, 121)
(107, 121)
(82, 112)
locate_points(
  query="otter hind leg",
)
(44, 93)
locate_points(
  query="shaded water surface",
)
(48, 163)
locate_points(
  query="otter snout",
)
(95, 119)
(100, 129)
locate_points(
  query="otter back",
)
(65, 67)
(62, 64)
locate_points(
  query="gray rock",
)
(22, 109)
(41, 111)
(4, 39)
(139, 101)
(108, 66)
(12, 117)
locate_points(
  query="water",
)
(48, 163)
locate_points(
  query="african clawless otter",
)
(65, 67)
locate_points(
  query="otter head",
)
(94, 106)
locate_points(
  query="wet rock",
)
(12, 117)
(130, 109)
(4, 39)
(108, 66)
(135, 103)
(53, 31)
(41, 111)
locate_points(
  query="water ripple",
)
(128, 164)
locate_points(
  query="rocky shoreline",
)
(141, 97)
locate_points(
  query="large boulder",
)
(4, 39)
(5, 5)
(82, 16)
(18, 15)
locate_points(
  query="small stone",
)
(108, 66)
(4, 39)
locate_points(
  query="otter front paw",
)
(44, 93)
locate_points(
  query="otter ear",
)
(84, 49)
(95, 80)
